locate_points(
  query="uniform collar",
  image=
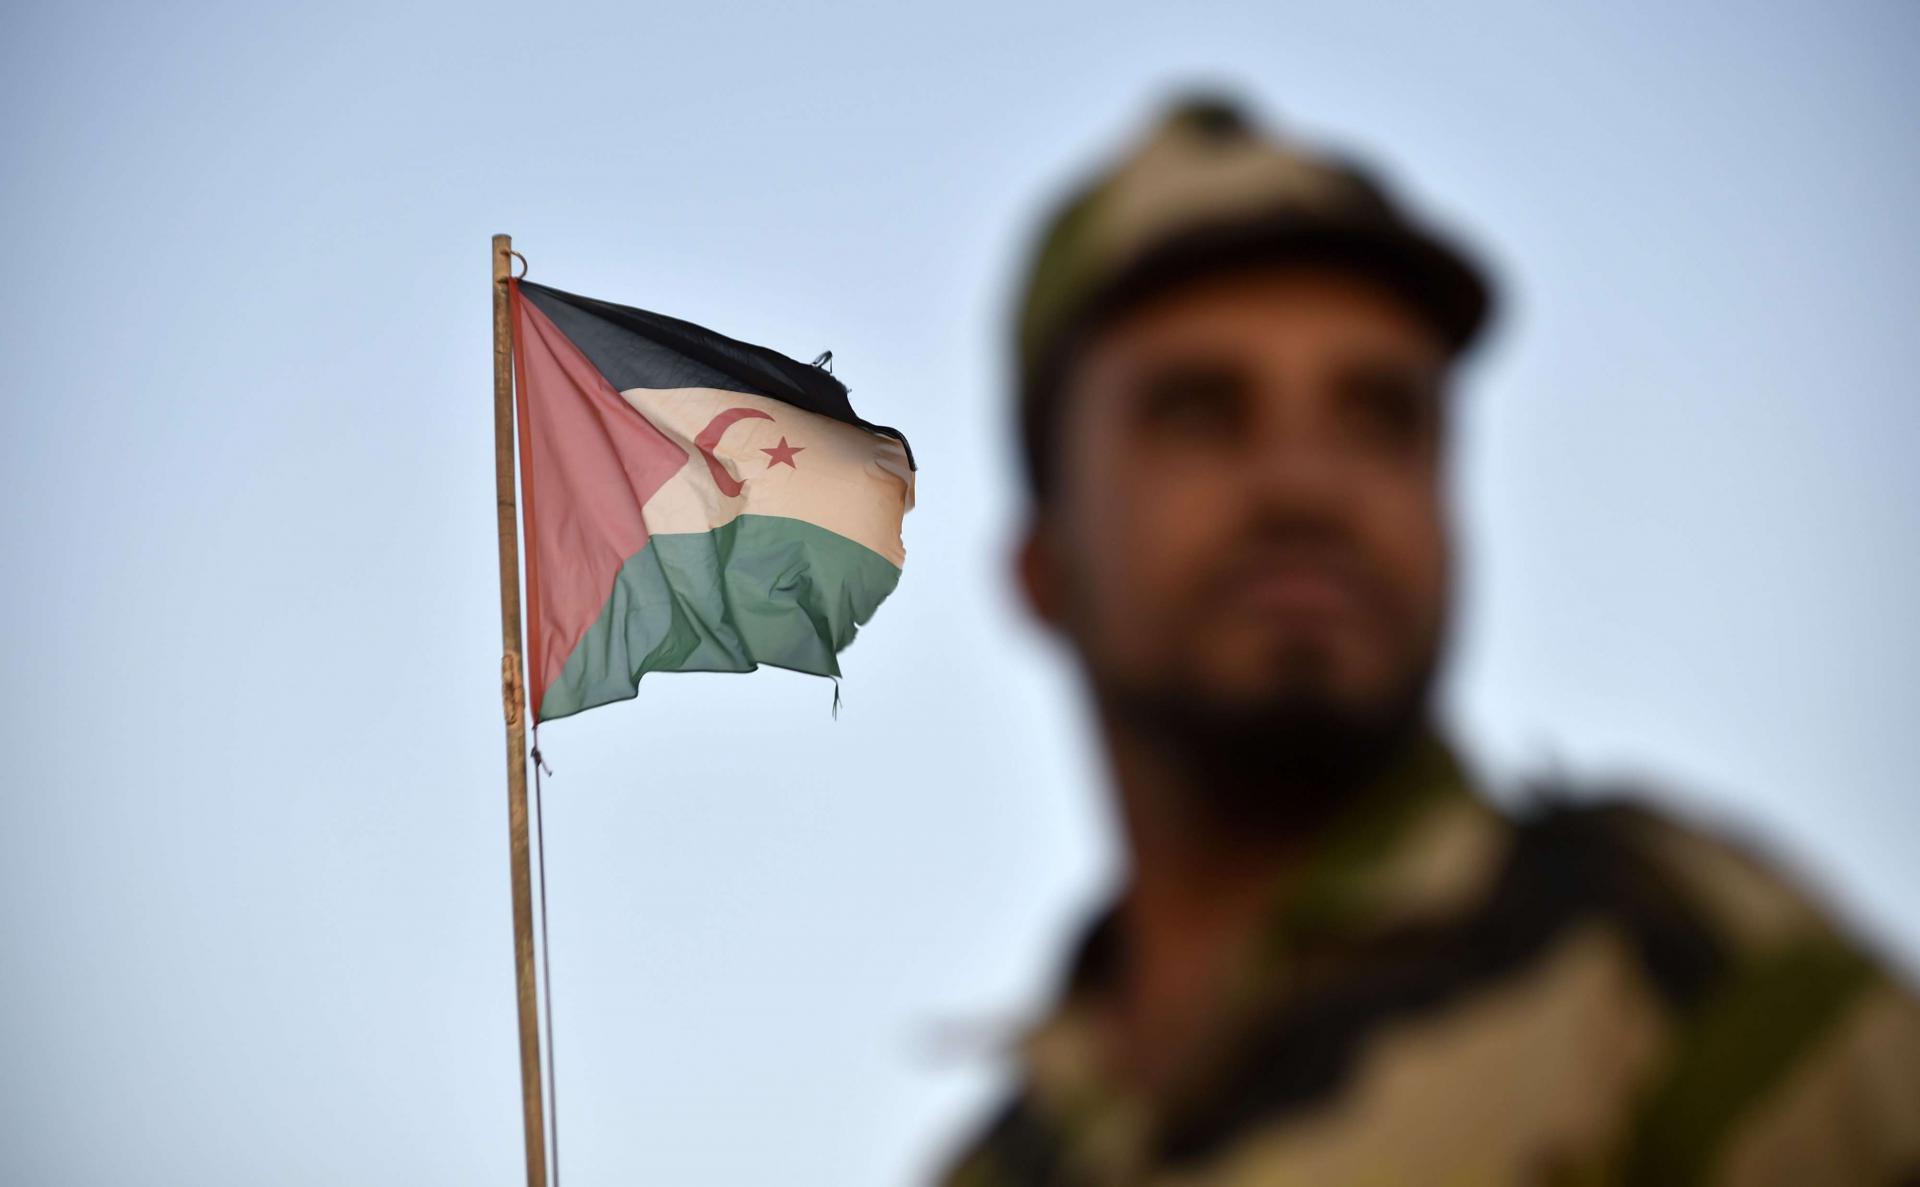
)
(1417, 848)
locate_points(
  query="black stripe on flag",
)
(635, 348)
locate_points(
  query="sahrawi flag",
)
(692, 503)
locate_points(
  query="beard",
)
(1281, 763)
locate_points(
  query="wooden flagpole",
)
(513, 701)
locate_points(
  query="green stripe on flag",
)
(761, 589)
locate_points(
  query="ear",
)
(1037, 570)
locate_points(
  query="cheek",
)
(1138, 538)
(1412, 547)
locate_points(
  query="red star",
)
(782, 454)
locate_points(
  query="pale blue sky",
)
(253, 886)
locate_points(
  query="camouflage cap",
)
(1206, 191)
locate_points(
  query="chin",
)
(1290, 736)
(1311, 675)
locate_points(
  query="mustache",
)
(1277, 542)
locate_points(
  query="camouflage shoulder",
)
(1802, 1054)
(1013, 1149)
(1747, 898)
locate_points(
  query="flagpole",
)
(513, 702)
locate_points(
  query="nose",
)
(1292, 462)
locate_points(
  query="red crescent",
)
(710, 437)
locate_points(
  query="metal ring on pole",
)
(523, 263)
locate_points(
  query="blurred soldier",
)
(1335, 962)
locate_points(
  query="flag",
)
(691, 503)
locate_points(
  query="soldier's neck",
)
(1198, 888)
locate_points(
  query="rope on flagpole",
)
(546, 945)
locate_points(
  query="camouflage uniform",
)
(1586, 993)
(1583, 992)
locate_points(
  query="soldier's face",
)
(1247, 510)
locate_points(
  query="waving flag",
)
(691, 503)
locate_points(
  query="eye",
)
(1193, 400)
(1393, 406)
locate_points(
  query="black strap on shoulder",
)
(1576, 858)
(1571, 862)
